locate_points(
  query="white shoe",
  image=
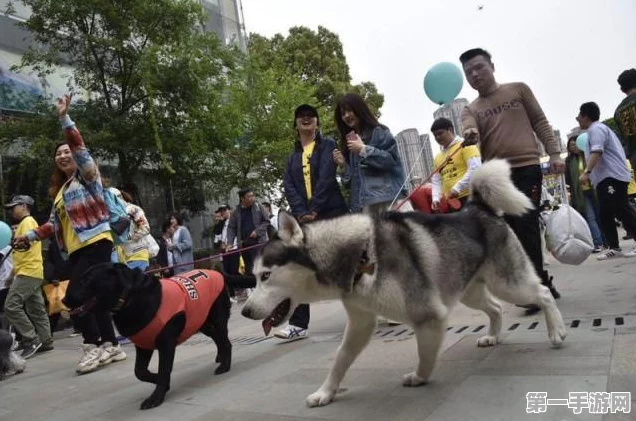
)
(90, 358)
(292, 333)
(111, 354)
(631, 253)
(610, 254)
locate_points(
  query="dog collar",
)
(84, 308)
(121, 301)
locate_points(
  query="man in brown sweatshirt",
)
(505, 120)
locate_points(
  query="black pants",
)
(300, 316)
(613, 203)
(95, 326)
(526, 227)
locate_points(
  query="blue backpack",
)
(120, 222)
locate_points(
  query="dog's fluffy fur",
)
(10, 362)
(408, 267)
(106, 283)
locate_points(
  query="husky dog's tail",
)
(491, 185)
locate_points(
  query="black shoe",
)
(532, 309)
(555, 293)
(30, 349)
(46, 347)
(548, 281)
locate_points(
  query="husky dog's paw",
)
(557, 335)
(320, 398)
(487, 340)
(413, 380)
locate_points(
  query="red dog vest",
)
(192, 293)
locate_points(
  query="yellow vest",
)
(456, 167)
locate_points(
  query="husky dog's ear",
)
(288, 229)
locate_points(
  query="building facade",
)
(453, 112)
(416, 156)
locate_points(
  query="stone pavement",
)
(269, 380)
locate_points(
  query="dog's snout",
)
(247, 312)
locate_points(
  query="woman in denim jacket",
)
(369, 160)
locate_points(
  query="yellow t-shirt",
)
(28, 263)
(70, 238)
(456, 167)
(586, 185)
(631, 187)
(307, 151)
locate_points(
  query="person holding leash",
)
(452, 180)
(24, 307)
(79, 221)
(505, 120)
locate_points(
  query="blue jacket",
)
(326, 197)
(376, 174)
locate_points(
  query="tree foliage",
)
(155, 92)
(153, 81)
(317, 59)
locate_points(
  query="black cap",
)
(20, 200)
(222, 208)
(306, 108)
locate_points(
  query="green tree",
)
(260, 104)
(153, 80)
(317, 59)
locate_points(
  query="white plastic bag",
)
(568, 236)
(153, 247)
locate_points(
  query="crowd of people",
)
(504, 121)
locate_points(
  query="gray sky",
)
(567, 51)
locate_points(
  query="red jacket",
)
(191, 292)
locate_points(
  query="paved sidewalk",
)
(269, 379)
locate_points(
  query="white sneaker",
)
(292, 333)
(631, 253)
(90, 358)
(610, 254)
(111, 354)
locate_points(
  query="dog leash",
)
(438, 169)
(205, 259)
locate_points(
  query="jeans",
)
(592, 215)
(612, 198)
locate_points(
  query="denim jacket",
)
(376, 174)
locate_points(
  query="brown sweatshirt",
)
(507, 120)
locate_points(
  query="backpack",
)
(120, 223)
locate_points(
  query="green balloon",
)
(443, 82)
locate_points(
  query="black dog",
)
(138, 305)
(10, 362)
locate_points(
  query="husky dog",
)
(10, 362)
(410, 267)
